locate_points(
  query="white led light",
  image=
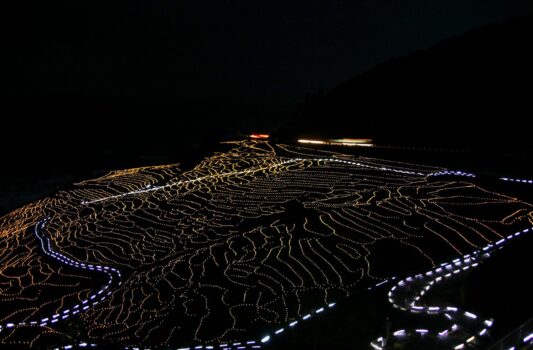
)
(265, 339)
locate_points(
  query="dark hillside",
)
(472, 91)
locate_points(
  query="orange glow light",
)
(259, 136)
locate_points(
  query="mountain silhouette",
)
(469, 91)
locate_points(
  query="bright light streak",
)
(314, 142)
(259, 136)
(339, 142)
(345, 140)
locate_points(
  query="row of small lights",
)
(445, 270)
(516, 180)
(451, 172)
(78, 345)
(150, 188)
(92, 300)
(253, 344)
(267, 337)
(234, 346)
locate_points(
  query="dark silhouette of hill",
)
(472, 91)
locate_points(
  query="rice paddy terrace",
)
(242, 248)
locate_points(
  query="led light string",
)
(276, 228)
(407, 292)
(94, 299)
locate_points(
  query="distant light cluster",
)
(234, 252)
(339, 142)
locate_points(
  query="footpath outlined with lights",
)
(406, 294)
(113, 275)
(282, 162)
(360, 164)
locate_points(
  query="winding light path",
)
(113, 278)
(406, 294)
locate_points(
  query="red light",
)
(259, 136)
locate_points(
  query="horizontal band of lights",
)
(239, 250)
(406, 295)
(339, 142)
(453, 173)
(277, 163)
(524, 181)
(81, 345)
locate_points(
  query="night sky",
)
(231, 65)
(226, 50)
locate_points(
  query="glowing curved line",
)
(150, 188)
(444, 271)
(93, 299)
